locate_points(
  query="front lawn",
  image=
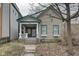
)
(12, 49)
(26, 42)
(50, 49)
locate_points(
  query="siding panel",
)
(13, 23)
(0, 21)
(5, 20)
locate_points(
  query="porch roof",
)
(28, 18)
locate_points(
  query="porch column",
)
(37, 31)
(20, 32)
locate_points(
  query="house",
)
(41, 25)
(9, 12)
(38, 25)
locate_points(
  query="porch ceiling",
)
(29, 25)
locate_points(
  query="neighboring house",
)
(41, 25)
(9, 12)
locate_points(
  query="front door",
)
(31, 32)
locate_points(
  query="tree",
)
(66, 12)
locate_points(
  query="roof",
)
(26, 18)
(37, 14)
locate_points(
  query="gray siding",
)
(47, 20)
(0, 21)
(13, 23)
(5, 20)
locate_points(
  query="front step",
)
(29, 54)
(30, 50)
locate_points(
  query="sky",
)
(24, 8)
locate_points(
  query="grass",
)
(26, 42)
(16, 48)
(50, 40)
(12, 49)
(50, 49)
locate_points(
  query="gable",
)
(48, 12)
(46, 19)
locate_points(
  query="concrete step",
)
(30, 48)
(29, 54)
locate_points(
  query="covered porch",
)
(28, 27)
(28, 30)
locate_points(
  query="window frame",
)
(42, 32)
(56, 29)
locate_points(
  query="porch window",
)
(44, 30)
(55, 30)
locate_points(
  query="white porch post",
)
(37, 31)
(20, 32)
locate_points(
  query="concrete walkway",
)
(30, 50)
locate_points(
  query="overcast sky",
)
(27, 8)
(24, 8)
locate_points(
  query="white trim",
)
(43, 35)
(37, 31)
(20, 32)
(28, 23)
(56, 35)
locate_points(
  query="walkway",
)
(30, 50)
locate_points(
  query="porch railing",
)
(21, 36)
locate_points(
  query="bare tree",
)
(36, 7)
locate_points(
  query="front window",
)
(44, 30)
(55, 30)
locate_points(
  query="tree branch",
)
(68, 11)
(42, 5)
(60, 12)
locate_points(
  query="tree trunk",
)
(69, 38)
